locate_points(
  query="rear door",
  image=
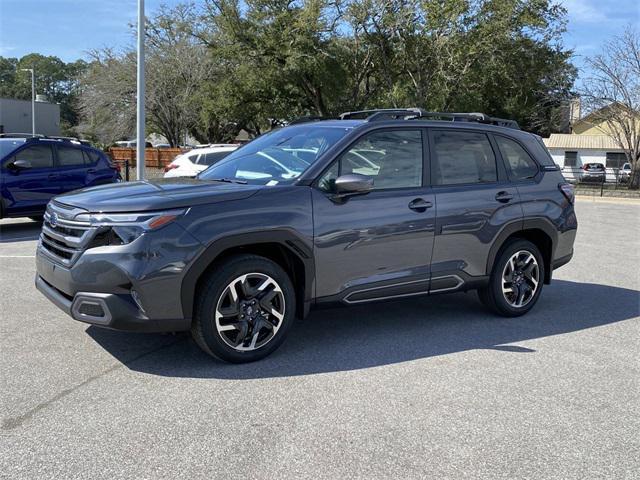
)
(30, 189)
(72, 171)
(475, 201)
(377, 245)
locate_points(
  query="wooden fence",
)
(153, 157)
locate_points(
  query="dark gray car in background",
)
(446, 203)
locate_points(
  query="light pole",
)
(140, 104)
(33, 99)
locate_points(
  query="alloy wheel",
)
(520, 278)
(250, 311)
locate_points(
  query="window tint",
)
(70, 156)
(40, 156)
(91, 157)
(211, 158)
(393, 158)
(462, 157)
(615, 159)
(570, 159)
(519, 164)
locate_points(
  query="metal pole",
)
(33, 101)
(140, 143)
(33, 98)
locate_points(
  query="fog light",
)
(136, 298)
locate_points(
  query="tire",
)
(37, 218)
(527, 278)
(218, 328)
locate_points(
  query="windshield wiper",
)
(228, 180)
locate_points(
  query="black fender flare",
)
(536, 223)
(286, 238)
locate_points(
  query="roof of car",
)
(212, 149)
(420, 122)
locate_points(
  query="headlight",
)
(123, 228)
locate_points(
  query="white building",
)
(571, 152)
(15, 116)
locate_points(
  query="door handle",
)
(420, 205)
(53, 176)
(503, 196)
(91, 170)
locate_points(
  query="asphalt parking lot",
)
(426, 388)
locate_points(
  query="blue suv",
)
(33, 169)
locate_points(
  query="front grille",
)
(63, 238)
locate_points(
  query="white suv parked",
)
(190, 163)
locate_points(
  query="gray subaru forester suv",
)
(376, 205)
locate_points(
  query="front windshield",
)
(9, 145)
(278, 157)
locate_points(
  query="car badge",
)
(53, 219)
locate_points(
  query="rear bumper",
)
(559, 262)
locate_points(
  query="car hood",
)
(157, 194)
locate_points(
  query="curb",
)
(598, 199)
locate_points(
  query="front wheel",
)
(516, 279)
(244, 309)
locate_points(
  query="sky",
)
(70, 28)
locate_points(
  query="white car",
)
(624, 175)
(191, 163)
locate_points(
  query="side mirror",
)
(353, 184)
(21, 165)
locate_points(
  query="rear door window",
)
(461, 157)
(40, 156)
(519, 163)
(68, 156)
(211, 158)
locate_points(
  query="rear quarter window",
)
(519, 163)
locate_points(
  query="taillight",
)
(567, 191)
(171, 166)
(585, 167)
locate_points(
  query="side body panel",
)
(281, 215)
(373, 240)
(470, 217)
(543, 202)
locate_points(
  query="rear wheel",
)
(244, 309)
(516, 279)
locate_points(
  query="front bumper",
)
(133, 287)
(108, 310)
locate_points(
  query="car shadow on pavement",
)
(21, 231)
(358, 337)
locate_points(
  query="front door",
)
(377, 245)
(475, 201)
(30, 189)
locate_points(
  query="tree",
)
(57, 80)
(612, 94)
(177, 66)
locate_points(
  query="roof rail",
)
(21, 135)
(414, 113)
(381, 113)
(309, 118)
(67, 139)
(38, 136)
